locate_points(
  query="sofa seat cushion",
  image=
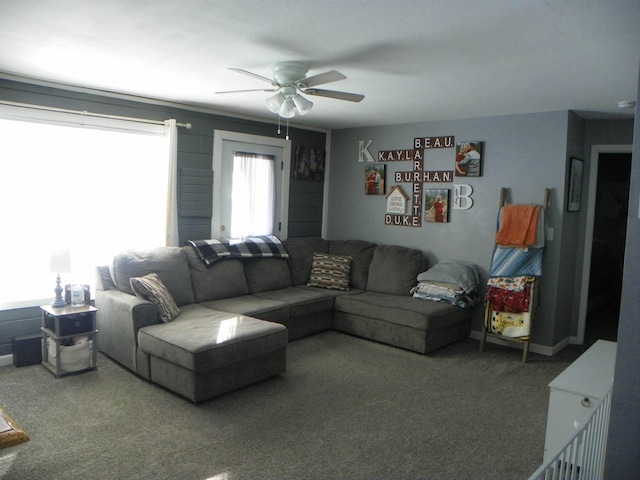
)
(253, 306)
(407, 311)
(202, 339)
(302, 301)
(333, 293)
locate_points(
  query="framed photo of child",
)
(469, 159)
(436, 205)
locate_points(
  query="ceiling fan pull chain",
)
(287, 136)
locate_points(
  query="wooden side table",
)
(64, 325)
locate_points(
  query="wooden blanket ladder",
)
(532, 287)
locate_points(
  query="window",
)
(225, 146)
(94, 191)
(253, 195)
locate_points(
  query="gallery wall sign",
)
(363, 151)
(436, 201)
(397, 200)
(417, 176)
(462, 196)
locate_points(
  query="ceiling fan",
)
(290, 82)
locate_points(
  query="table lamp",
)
(59, 262)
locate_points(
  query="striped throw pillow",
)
(151, 288)
(330, 271)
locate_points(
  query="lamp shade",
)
(60, 260)
(287, 109)
(302, 104)
(274, 103)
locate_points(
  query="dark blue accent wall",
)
(195, 151)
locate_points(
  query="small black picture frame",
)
(574, 195)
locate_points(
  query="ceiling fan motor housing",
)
(288, 73)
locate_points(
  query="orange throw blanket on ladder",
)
(518, 225)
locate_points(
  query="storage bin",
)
(73, 324)
(73, 358)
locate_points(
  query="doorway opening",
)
(607, 246)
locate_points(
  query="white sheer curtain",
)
(252, 195)
(96, 191)
(171, 132)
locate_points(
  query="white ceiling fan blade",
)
(351, 97)
(327, 77)
(251, 74)
(252, 90)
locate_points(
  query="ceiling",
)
(414, 60)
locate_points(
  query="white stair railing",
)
(583, 456)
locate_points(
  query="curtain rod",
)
(85, 113)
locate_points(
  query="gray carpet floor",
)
(346, 408)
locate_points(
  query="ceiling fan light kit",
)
(274, 103)
(289, 82)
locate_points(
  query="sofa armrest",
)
(119, 318)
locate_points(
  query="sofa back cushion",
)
(169, 263)
(361, 253)
(301, 250)
(267, 274)
(394, 269)
(222, 279)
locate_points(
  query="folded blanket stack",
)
(510, 294)
(452, 282)
(510, 303)
(520, 226)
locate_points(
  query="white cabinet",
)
(575, 393)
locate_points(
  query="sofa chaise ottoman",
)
(204, 353)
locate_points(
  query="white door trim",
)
(219, 137)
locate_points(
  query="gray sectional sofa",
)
(237, 315)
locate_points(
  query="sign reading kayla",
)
(434, 142)
(399, 155)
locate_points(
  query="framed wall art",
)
(374, 178)
(436, 205)
(574, 196)
(309, 164)
(469, 159)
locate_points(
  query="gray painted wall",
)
(623, 461)
(195, 150)
(524, 153)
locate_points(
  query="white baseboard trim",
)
(533, 347)
(6, 360)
